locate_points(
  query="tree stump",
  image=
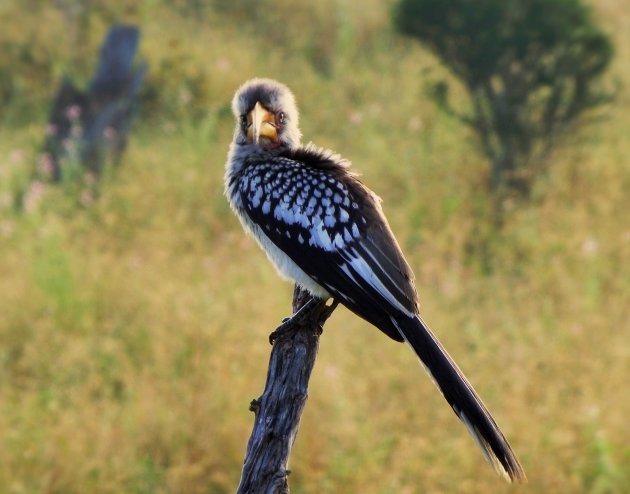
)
(96, 121)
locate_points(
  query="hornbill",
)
(326, 231)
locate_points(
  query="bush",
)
(530, 68)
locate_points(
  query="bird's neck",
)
(240, 152)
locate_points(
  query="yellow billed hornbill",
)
(325, 230)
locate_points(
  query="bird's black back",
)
(309, 204)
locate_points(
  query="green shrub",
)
(530, 68)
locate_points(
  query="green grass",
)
(133, 332)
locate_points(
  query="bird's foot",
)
(288, 326)
(307, 311)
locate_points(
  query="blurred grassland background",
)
(133, 330)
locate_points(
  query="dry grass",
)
(134, 332)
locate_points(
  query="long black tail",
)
(462, 397)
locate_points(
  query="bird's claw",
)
(287, 326)
(306, 312)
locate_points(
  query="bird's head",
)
(266, 115)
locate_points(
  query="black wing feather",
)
(337, 235)
(365, 236)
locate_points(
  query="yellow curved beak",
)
(261, 123)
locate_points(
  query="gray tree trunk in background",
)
(96, 121)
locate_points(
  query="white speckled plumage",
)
(324, 230)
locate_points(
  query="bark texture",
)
(278, 410)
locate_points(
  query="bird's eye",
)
(243, 120)
(281, 117)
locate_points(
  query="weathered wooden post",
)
(278, 410)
